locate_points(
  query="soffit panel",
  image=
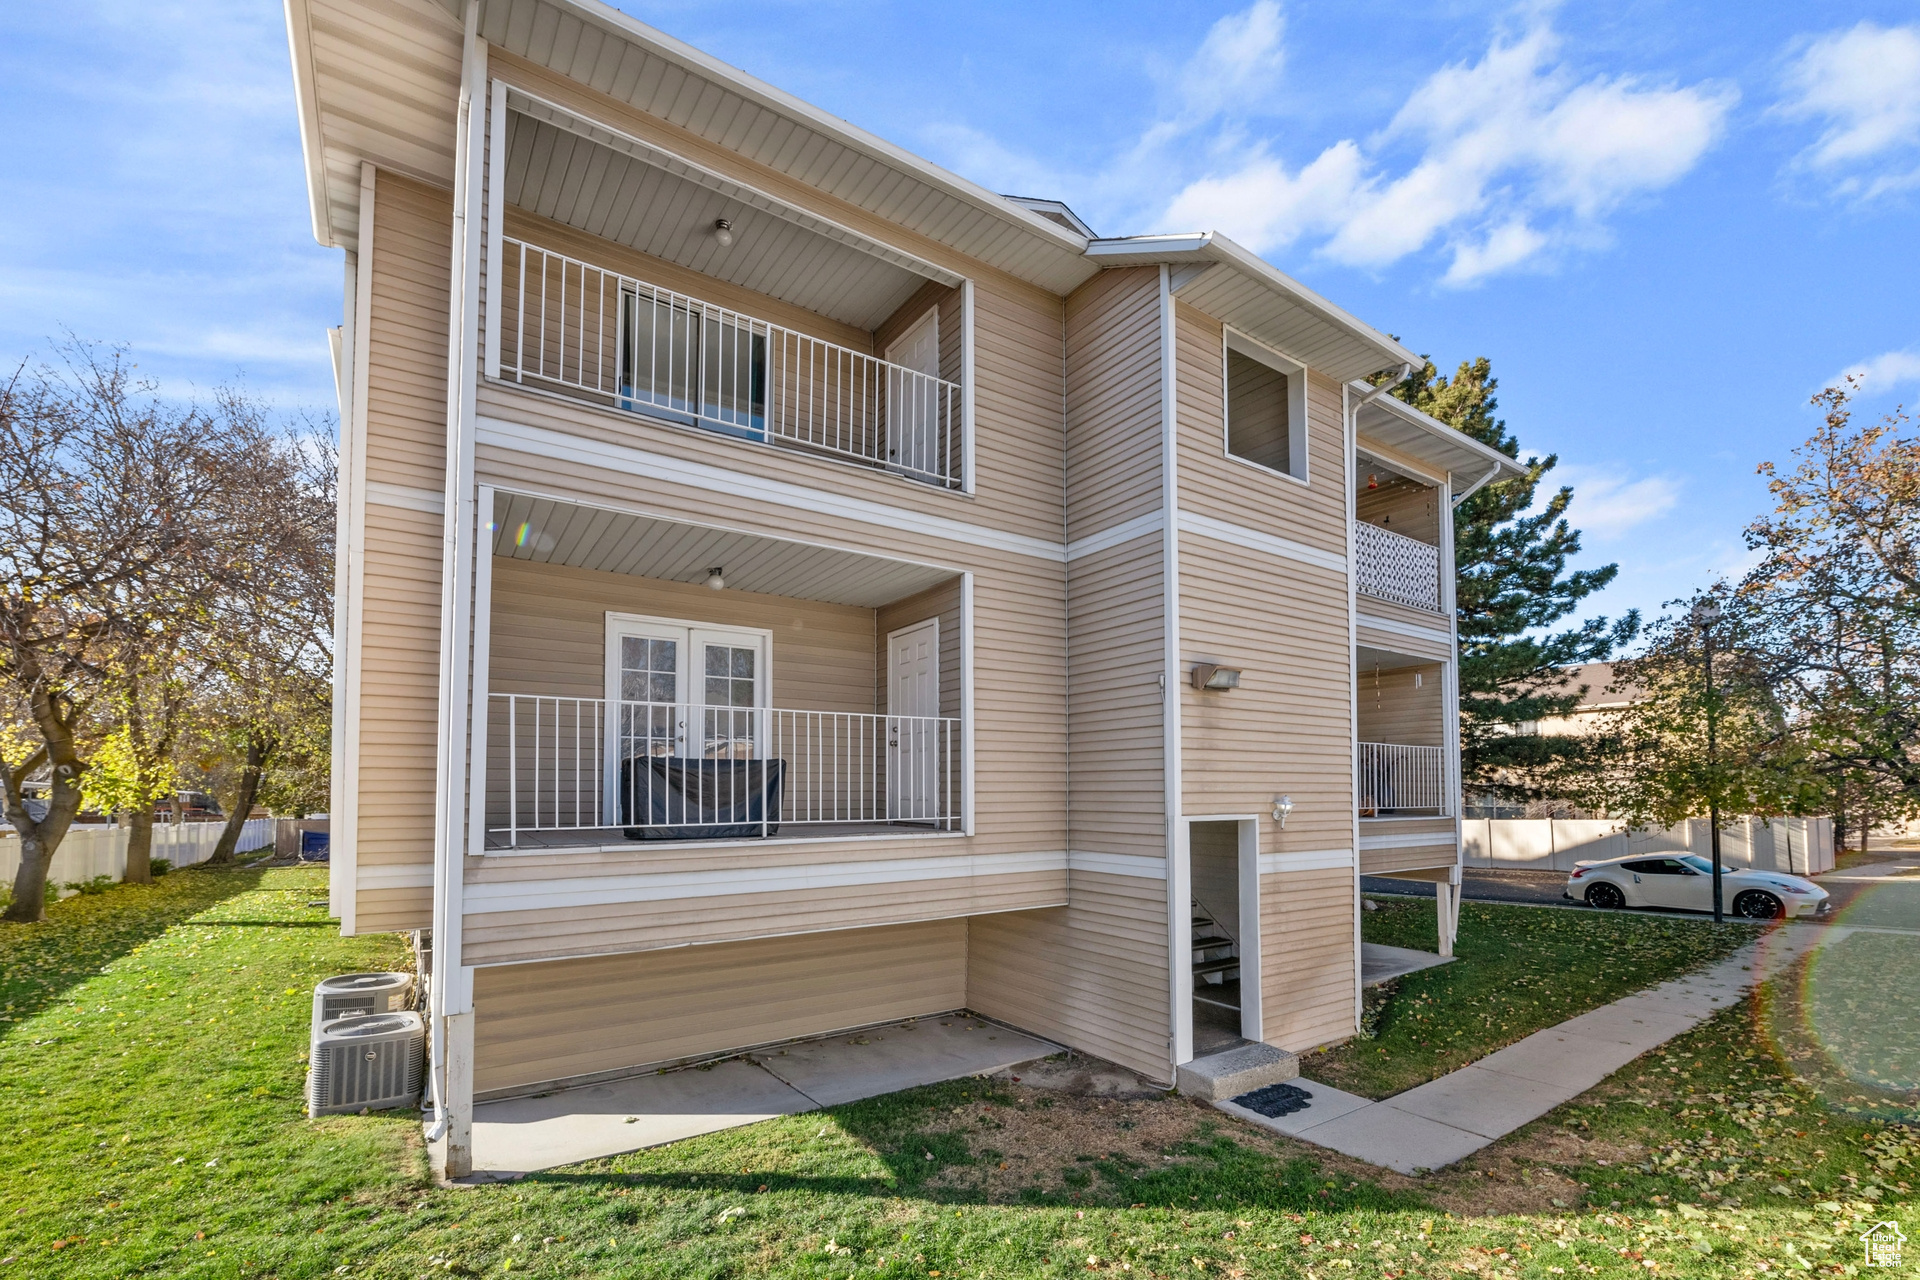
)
(1402, 428)
(567, 178)
(545, 531)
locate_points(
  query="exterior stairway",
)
(1216, 961)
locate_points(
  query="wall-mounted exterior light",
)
(1208, 676)
(1282, 806)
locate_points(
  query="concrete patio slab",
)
(847, 1068)
(517, 1136)
(1380, 963)
(522, 1135)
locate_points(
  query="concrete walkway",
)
(1450, 1118)
(517, 1136)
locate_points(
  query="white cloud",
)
(1863, 86)
(1883, 372)
(1606, 504)
(1516, 158)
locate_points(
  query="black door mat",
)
(1276, 1100)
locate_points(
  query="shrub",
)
(159, 866)
(99, 884)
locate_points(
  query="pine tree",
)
(1512, 586)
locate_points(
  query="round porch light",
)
(716, 580)
(723, 232)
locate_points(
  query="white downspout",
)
(1179, 874)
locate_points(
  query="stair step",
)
(1215, 966)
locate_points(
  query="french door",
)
(683, 690)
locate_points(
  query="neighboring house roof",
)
(373, 78)
(1600, 694)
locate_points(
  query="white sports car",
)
(1685, 881)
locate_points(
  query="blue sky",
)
(1667, 224)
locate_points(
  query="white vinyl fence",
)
(1799, 846)
(89, 851)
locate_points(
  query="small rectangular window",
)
(1266, 408)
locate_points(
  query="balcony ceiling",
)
(622, 190)
(544, 531)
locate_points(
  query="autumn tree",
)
(121, 516)
(1835, 603)
(1705, 732)
(1513, 587)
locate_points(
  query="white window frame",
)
(1297, 434)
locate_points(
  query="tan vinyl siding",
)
(1228, 488)
(1393, 710)
(399, 624)
(1289, 726)
(1420, 842)
(1307, 984)
(1401, 506)
(494, 938)
(1092, 975)
(536, 1023)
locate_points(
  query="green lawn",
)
(1516, 971)
(151, 1119)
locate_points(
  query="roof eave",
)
(711, 68)
(300, 49)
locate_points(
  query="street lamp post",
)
(1705, 614)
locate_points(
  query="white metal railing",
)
(666, 770)
(1392, 566)
(1402, 779)
(649, 349)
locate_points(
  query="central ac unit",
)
(371, 1062)
(356, 993)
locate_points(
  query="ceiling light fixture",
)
(716, 580)
(723, 232)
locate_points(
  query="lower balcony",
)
(1400, 781)
(653, 681)
(566, 771)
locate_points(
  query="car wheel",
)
(1606, 897)
(1756, 905)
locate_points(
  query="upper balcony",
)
(1396, 537)
(637, 279)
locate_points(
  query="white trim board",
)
(1138, 866)
(663, 886)
(406, 875)
(501, 434)
(1433, 634)
(1254, 540)
(1429, 840)
(430, 501)
(1113, 535)
(1306, 860)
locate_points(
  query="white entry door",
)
(913, 404)
(914, 737)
